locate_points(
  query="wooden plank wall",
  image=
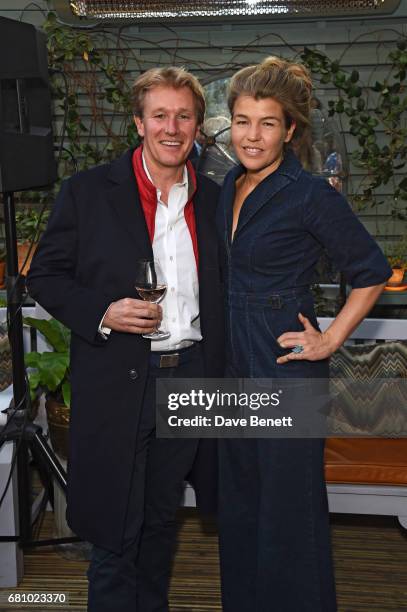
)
(220, 48)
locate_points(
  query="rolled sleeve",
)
(330, 219)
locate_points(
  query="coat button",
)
(133, 374)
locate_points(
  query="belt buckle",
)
(169, 361)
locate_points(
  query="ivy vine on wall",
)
(89, 84)
(378, 120)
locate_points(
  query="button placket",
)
(172, 302)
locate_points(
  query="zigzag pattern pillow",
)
(379, 406)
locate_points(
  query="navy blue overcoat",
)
(85, 260)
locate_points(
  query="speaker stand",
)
(26, 435)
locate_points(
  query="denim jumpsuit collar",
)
(289, 170)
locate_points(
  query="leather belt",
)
(173, 359)
(169, 361)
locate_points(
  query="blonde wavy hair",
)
(288, 83)
(169, 76)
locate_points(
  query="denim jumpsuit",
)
(273, 513)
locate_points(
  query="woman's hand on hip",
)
(315, 345)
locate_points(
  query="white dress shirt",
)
(172, 247)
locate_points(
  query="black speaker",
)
(26, 141)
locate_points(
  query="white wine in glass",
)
(151, 286)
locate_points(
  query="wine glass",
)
(151, 286)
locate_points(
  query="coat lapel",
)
(203, 230)
(226, 200)
(125, 200)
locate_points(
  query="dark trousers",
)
(273, 526)
(137, 580)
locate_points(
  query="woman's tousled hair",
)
(288, 83)
(170, 76)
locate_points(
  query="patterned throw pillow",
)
(6, 373)
(378, 407)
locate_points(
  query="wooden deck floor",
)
(370, 556)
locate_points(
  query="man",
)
(124, 484)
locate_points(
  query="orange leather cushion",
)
(366, 460)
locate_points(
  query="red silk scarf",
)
(148, 197)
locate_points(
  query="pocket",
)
(278, 321)
(305, 305)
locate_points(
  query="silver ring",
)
(298, 348)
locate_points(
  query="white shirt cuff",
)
(102, 330)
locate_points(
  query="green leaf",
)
(403, 184)
(55, 333)
(335, 66)
(340, 106)
(354, 77)
(313, 53)
(72, 114)
(34, 380)
(32, 360)
(354, 91)
(66, 393)
(52, 369)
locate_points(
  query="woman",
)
(275, 219)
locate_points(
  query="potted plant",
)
(50, 375)
(2, 267)
(397, 258)
(30, 224)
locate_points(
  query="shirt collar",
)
(184, 182)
